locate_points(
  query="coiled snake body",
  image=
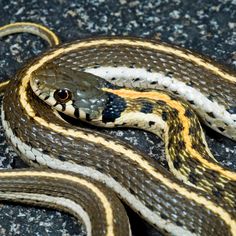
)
(199, 199)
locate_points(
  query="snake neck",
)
(188, 155)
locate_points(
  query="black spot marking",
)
(76, 113)
(170, 143)
(211, 114)
(152, 208)
(208, 122)
(190, 83)
(63, 107)
(15, 131)
(213, 174)
(232, 109)
(150, 123)
(113, 109)
(96, 66)
(115, 63)
(175, 92)
(99, 168)
(191, 102)
(147, 107)
(113, 78)
(169, 74)
(28, 143)
(210, 97)
(221, 129)
(163, 216)
(165, 232)
(36, 114)
(154, 82)
(175, 112)
(46, 152)
(193, 178)
(161, 132)
(188, 113)
(131, 191)
(46, 98)
(195, 146)
(61, 158)
(56, 104)
(111, 86)
(33, 161)
(149, 69)
(115, 178)
(192, 130)
(136, 79)
(177, 162)
(164, 115)
(217, 192)
(81, 68)
(132, 65)
(87, 117)
(179, 223)
(181, 145)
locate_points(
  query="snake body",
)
(200, 201)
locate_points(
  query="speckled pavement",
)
(207, 27)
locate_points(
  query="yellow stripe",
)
(120, 149)
(135, 43)
(187, 56)
(4, 83)
(131, 94)
(159, 47)
(106, 204)
(170, 50)
(20, 27)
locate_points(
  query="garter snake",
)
(200, 201)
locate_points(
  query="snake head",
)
(77, 94)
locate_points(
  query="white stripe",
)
(125, 75)
(43, 159)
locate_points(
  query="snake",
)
(121, 82)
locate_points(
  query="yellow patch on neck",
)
(156, 95)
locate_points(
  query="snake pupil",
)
(62, 95)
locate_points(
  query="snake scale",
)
(197, 196)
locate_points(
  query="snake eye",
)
(62, 95)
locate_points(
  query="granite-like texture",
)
(208, 27)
